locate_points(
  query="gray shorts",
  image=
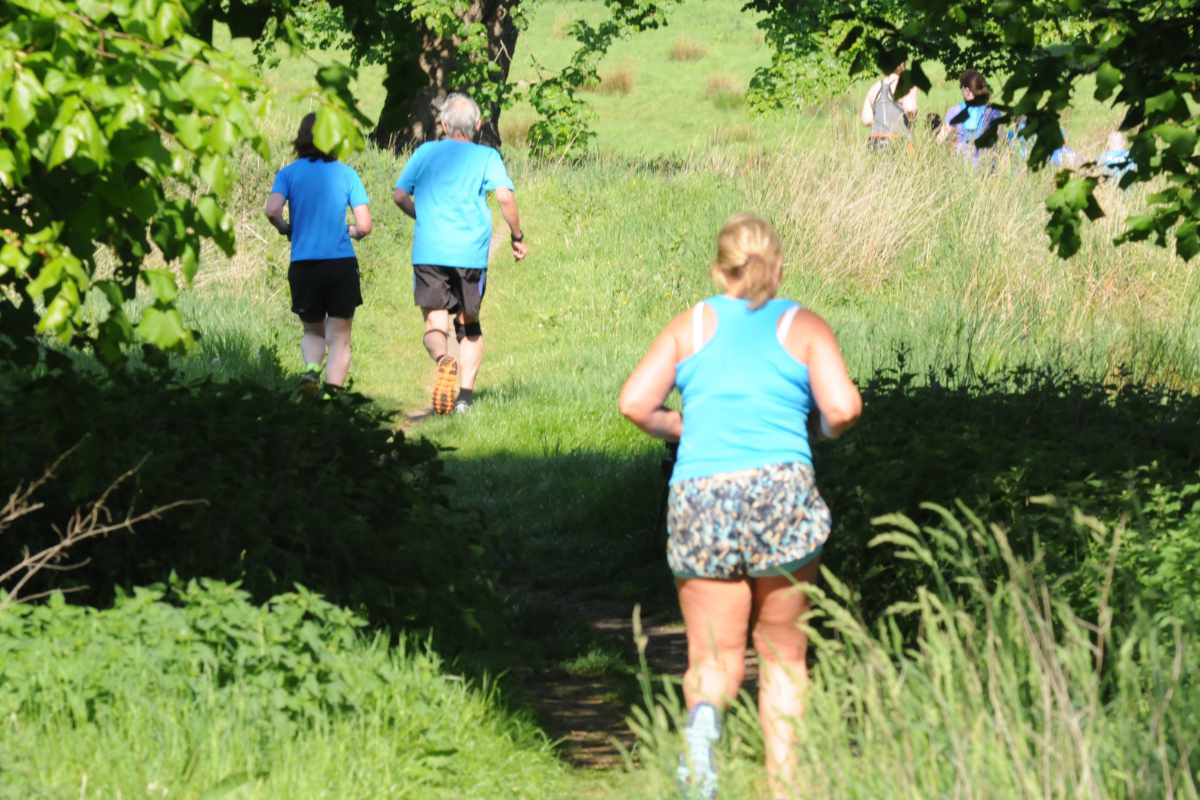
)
(451, 288)
(747, 524)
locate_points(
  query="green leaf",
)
(189, 262)
(1107, 79)
(96, 9)
(167, 23)
(327, 130)
(8, 168)
(222, 136)
(163, 328)
(216, 172)
(210, 211)
(162, 284)
(79, 131)
(12, 257)
(1187, 240)
(1140, 227)
(22, 100)
(1168, 103)
(57, 317)
(1073, 195)
(189, 130)
(1180, 140)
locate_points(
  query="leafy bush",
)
(290, 657)
(325, 494)
(191, 690)
(1128, 452)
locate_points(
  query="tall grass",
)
(1004, 693)
(685, 49)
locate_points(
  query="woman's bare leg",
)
(312, 342)
(716, 615)
(782, 650)
(337, 334)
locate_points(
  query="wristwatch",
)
(518, 239)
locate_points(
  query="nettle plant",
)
(119, 136)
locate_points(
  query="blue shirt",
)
(449, 181)
(318, 194)
(746, 399)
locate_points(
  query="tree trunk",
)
(420, 75)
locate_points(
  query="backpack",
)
(978, 119)
(890, 121)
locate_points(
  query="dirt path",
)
(586, 715)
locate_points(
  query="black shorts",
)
(450, 288)
(324, 287)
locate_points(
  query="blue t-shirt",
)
(318, 194)
(449, 181)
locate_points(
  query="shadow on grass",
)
(575, 529)
(506, 559)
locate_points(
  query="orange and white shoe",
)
(445, 385)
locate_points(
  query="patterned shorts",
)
(751, 523)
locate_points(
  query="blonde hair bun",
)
(749, 257)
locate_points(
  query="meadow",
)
(1028, 635)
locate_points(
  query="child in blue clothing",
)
(1063, 157)
(1114, 161)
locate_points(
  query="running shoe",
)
(462, 407)
(445, 385)
(310, 381)
(697, 772)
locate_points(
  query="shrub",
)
(1128, 452)
(619, 81)
(326, 494)
(724, 93)
(185, 640)
(190, 689)
(685, 49)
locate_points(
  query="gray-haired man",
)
(444, 187)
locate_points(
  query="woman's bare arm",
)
(812, 341)
(650, 383)
(274, 212)
(362, 222)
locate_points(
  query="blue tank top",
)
(746, 399)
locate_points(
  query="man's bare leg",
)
(445, 380)
(437, 332)
(470, 354)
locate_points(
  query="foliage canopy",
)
(118, 136)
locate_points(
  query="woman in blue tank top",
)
(746, 523)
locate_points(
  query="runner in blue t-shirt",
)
(444, 187)
(323, 274)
